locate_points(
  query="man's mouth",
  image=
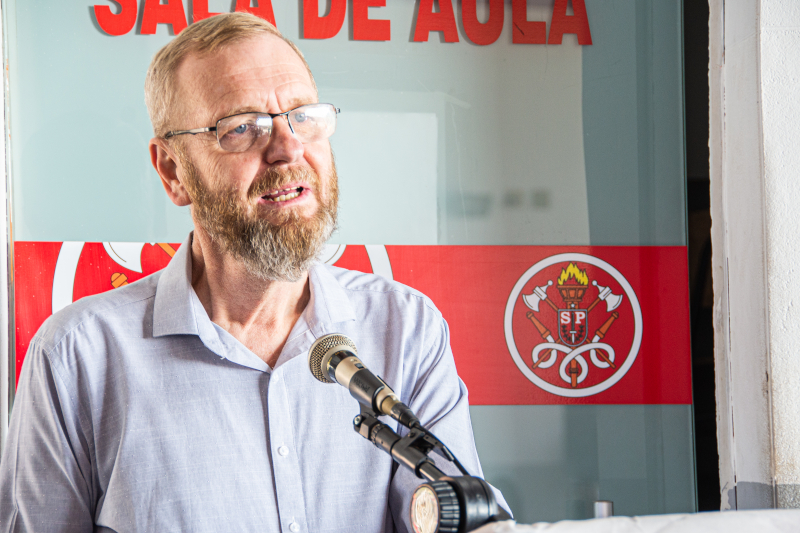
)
(284, 194)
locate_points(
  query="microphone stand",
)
(461, 504)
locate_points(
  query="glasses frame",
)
(272, 116)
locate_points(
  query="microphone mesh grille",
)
(321, 347)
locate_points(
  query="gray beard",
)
(282, 251)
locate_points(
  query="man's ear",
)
(166, 164)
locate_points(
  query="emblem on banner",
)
(594, 313)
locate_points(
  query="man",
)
(184, 402)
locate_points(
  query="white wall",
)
(780, 109)
(754, 76)
(738, 261)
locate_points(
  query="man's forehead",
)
(245, 76)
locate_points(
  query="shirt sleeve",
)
(45, 472)
(439, 398)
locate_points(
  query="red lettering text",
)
(443, 21)
(577, 23)
(432, 16)
(366, 29)
(118, 24)
(316, 27)
(263, 9)
(525, 31)
(200, 10)
(171, 13)
(482, 33)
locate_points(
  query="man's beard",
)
(281, 250)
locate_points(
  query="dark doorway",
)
(695, 62)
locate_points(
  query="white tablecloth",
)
(767, 521)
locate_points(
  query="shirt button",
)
(284, 451)
(294, 527)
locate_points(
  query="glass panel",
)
(498, 144)
(553, 462)
(437, 144)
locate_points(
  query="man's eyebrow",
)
(297, 101)
(240, 110)
(292, 103)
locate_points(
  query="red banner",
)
(528, 324)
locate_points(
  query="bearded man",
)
(183, 402)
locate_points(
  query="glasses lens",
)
(313, 122)
(239, 132)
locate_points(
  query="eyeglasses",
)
(239, 133)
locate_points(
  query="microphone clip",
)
(411, 450)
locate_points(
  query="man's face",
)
(236, 197)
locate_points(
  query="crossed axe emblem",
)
(573, 368)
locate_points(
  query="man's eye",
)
(300, 117)
(240, 129)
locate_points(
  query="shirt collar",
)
(178, 311)
(329, 303)
(173, 309)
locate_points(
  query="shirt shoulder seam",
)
(90, 315)
(85, 420)
(425, 299)
(13, 523)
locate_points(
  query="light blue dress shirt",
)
(135, 412)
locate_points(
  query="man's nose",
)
(283, 145)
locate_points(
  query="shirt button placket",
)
(289, 491)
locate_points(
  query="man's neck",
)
(259, 313)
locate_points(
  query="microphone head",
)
(321, 351)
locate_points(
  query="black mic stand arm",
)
(465, 503)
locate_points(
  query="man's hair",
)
(205, 37)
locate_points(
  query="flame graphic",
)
(575, 273)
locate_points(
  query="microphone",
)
(333, 358)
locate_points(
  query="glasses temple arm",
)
(190, 132)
